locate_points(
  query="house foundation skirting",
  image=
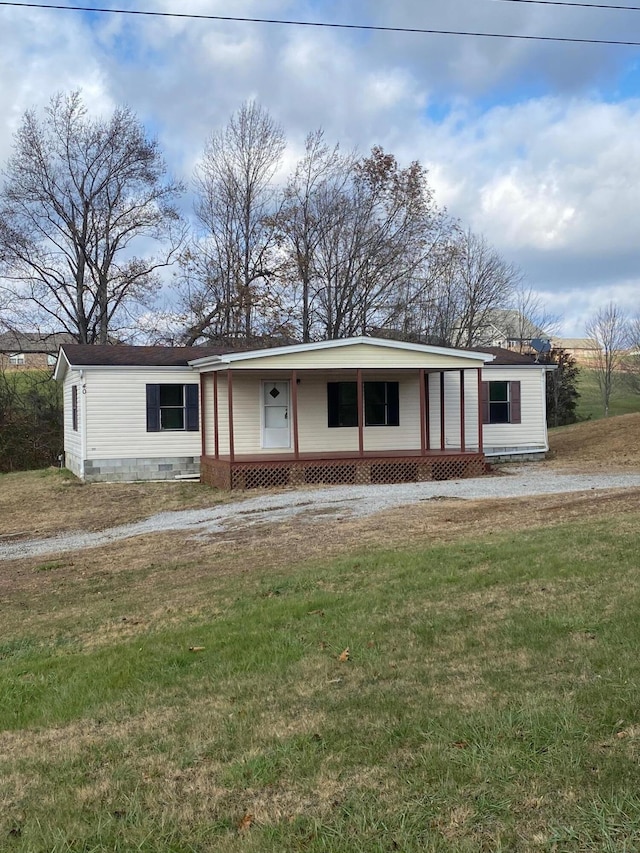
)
(273, 473)
(129, 470)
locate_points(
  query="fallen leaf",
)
(315, 613)
(344, 656)
(245, 823)
(196, 648)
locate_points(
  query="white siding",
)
(72, 438)
(116, 408)
(452, 410)
(531, 433)
(314, 434)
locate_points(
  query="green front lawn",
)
(489, 701)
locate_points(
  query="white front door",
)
(276, 431)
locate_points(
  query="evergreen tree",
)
(562, 393)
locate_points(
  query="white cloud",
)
(529, 143)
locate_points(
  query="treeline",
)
(343, 244)
(30, 420)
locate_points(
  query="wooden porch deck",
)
(390, 466)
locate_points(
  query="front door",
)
(276, 431)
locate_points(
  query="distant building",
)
(31, 350)
(509, 329)
(585, 351)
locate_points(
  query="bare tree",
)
(80, 194)
(311, 200)
(461, 280)
(236, 205)
(375, 235)
(486, 282)
(609, 328)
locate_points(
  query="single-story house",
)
(351, 410)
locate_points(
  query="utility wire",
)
(577, 5)
(326, 24)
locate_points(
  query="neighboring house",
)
(585, 351)
(30, 350)
(509, 329)
(352, 410)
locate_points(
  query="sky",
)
(533, 144)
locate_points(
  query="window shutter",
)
(333, 404)
(514, 403)
(393, 404)
(191, 400)
(153, 408)
(484, 402)
(74, 407)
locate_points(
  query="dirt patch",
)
(610, 444)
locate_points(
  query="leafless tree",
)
(486, 282)
(231, 263)
(609, 328)
(311, 199)
(375, 235)
(530, 318)
(80, 195)
(460, 281)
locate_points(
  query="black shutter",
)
(74, 407)
(484, 400)
(191, 399)
(515, 416)
(153, 408)
(393, 404)
(333, 403)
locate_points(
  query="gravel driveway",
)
(322, 505)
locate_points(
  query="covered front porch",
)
(272, 471)
(436, 434)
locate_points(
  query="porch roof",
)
(361, 352)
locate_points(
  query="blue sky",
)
(535, 145)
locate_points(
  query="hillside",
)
(607, 444)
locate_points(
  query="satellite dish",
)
(540, 345)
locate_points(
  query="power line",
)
(576, 5)
(330, 25)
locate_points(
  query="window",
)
(74, 407)
(17, 359)
(501, 403)
(381, 404)
(172, 407)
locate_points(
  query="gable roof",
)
(116, 355)
(234, 357)
(35, 342)
(510, 323)
(96, 355)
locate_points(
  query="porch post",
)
(202, 436)
(216, 426)
(427, 412)
(294, 413)
(360, 411)
(230, 404)
(462, 407)
(423, 412)
(480, 436)
(442, 419)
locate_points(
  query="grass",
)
(624, 400)
(490, 701)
